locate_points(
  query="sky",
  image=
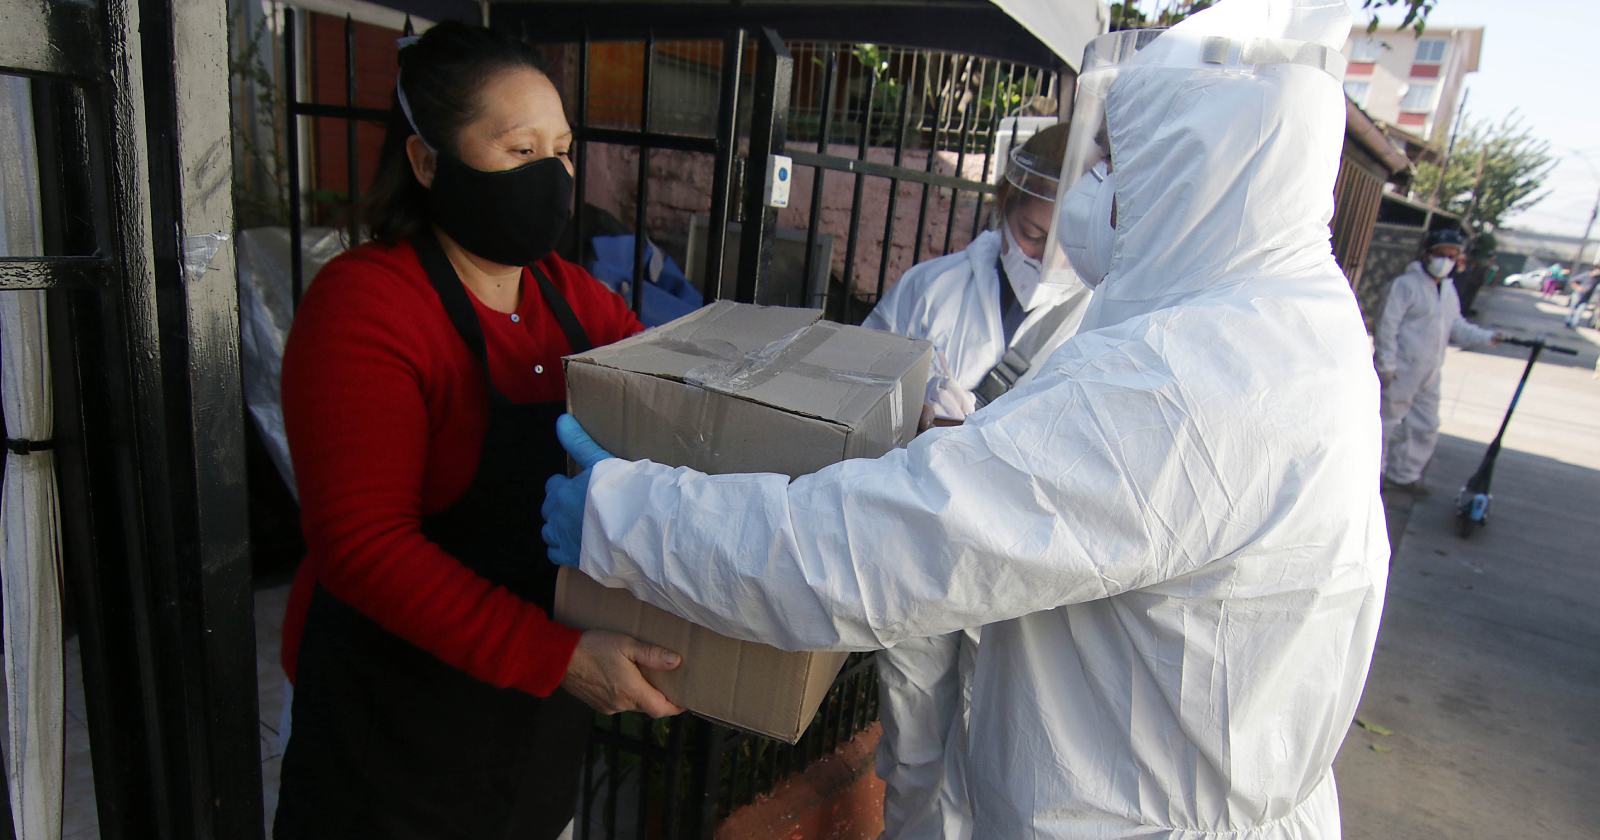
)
(1540, 58)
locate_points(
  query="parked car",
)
(1528, 279)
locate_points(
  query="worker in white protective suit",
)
(1421, 317)
(1172, 536)
(993, 319)
(988, 309)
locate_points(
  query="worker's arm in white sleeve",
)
(896, 310)
(1068, 490)
(1386, 337)
(1464, 333)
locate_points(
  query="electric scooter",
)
(1472, 505)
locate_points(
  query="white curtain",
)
(30, 566)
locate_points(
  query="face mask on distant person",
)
(1022, 271)
(1440, 267)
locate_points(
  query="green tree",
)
(1496, 169)
(1134, 14)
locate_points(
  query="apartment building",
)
(1409, 81)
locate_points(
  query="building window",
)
(1418, 99)
(1365, 50)
(1430, 51)
(1357, 91)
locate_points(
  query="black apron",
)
(390, 743)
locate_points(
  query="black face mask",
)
(513, 217)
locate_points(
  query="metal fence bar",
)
(341, 112)
(713, 740)
(824, 131)
(961, 161)
(17, 273)
(645, 762)
(580, 175)
(933, 152)
(586, 816)
(884, 170)
(651, 139)
(352, 159)
(997, 112)
(894, 185)
(727, 142)
(642, 190)
(853, 237)
(297, 269)
(768, 124)
(613, 777)
(671, 818)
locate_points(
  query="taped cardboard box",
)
(739, 388)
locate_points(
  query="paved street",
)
(1488, 665)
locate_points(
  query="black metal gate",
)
(133, 174)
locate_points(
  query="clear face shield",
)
(1034, 177)
(1080, 243)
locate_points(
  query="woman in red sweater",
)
(420, 388)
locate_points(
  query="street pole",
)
(1444, 167)
(1587, 229)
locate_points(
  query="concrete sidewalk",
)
(1488, 664)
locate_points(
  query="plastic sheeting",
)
(667, 295)
(266, 309)
(29, 514)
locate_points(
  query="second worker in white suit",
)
(1421, 317)
(1172, 536)
(993, 319)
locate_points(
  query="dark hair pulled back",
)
(442, 74)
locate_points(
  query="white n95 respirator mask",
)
(1023, 272)
(1084, 224)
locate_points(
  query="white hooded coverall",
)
(954, 302)
(1172, 536)
(1421, 317)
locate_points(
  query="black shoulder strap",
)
(576, 336)
(456, 303)
(1021, 351)
(465, 318)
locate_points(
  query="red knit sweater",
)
(386, 411)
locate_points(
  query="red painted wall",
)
(375, 74)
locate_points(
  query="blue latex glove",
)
(564, 497)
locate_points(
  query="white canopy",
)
(1065, 26)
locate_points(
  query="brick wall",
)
(680, 186)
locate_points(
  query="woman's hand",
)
(604, 673)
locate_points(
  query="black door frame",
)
(135, 183)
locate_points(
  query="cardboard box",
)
(739, 388)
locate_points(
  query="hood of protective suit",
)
(1222, 177)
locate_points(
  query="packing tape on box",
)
(733, 372)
